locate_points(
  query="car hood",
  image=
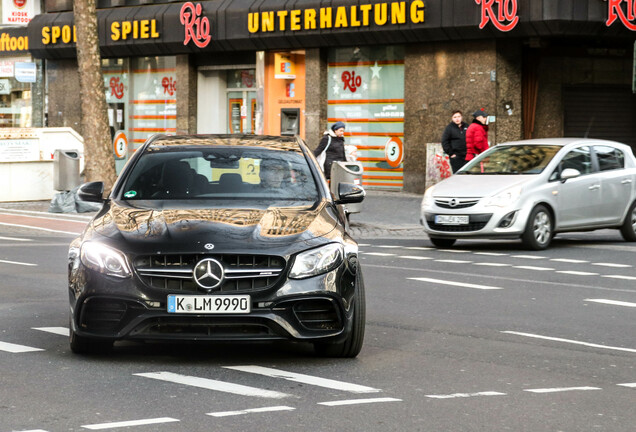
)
(187, 229)
(478, 186)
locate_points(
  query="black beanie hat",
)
(337, 125)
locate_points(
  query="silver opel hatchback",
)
(534, 189)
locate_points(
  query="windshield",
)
(234, 173)
(513, 159)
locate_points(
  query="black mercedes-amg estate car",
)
(218, 237)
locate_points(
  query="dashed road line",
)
(454, 250)
(250, 410)
(619, 277)
(359, 401)
(16, 349)
(491, 253)
(530, 257)
(630, 385)
(210, 384)
(452, 261)
(380, 254)
(560, 389)
(569, 261)
(577, 273)
(489, 264)
(466, 395)
(575, 342)
(305, 379)
(413, 257)
(419, 248)
(18, 263)
(120, 424)
(16, 239)
(612, 265)
(612, 302)
(534, 268)
(458, 284)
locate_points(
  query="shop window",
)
(241, 100)
(366, 91)
(15, 97)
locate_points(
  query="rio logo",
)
(504, 18)
(351, 81)
(116, 88)
(197, 28)
(169, 85)
(627, 15)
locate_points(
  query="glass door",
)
(241, 101)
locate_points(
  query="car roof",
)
(285, 143)
(563, 142)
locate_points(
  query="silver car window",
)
(512, 159)
(609, 158)
(579, 159)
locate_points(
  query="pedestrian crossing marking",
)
(459, 284)
(16, 349)
(359, 401)
(130, 423)
(210, 384)
(62, 331)
(305, 379)
(250, 410)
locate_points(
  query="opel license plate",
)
(209, 304)
(451, 219)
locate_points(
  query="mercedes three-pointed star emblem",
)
(208, 273)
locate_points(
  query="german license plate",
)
(209, 304)
(451, 219)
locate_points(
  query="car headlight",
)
(105, 260)
(428, 197)
(505, 198)
(316, 261)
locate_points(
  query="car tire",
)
(539, 229)
(84, 345)
(352, 345)
(442, 242)
(628, 229)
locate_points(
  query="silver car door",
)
(616, 184)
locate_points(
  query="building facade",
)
(393, 71)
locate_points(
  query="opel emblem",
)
(208, 246)
(208, 273)
(452, 202)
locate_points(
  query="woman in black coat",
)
(336, 149)
(454, 141)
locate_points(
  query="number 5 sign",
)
(394, 152)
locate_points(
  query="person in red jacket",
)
(477, 135)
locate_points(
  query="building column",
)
(186, 96)
(315, 95)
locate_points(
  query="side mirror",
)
(569, 173)
(349, 193)
(92, 192)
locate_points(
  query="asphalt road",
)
(483, 337)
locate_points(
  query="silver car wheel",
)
(542, 228)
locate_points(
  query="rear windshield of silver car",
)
(221, 173)
(511, 160)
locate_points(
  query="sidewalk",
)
(384, 214)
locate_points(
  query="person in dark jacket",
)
(477, 135)
(336, 149)
(454, 141)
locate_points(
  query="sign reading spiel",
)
(364, 15)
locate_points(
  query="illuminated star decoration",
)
(336, 89)
(335, 77)
(375, 69)
(365, 86)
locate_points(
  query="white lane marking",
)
(419, 248)
(16, 239)
(561, 389)
(39, 228)
(612, 265)
(363, 244)
(213, 385)
(491, 253)
(611, 302)
(62, 331)
(305, 379)
(619, 277)
(130, 423)
(568, 260)
(531, 257)
(379, 254)
(359, 401)
(492, 264)
(630, 385)
(451, 261)
(18, 263)
(533, 268)
(415, 257)
(250, 410)
(15, 349)
(570, 341)
(388, 246)
(577, 273)
(454, 250)
(466, 395)
(459, 284)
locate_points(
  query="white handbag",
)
(322, 157)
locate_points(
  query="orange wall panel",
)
(276, 96)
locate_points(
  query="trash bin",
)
(346, 172)
(66, 173)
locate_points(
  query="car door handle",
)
(594, 187)
(626, 181)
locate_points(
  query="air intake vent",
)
(320, 314)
